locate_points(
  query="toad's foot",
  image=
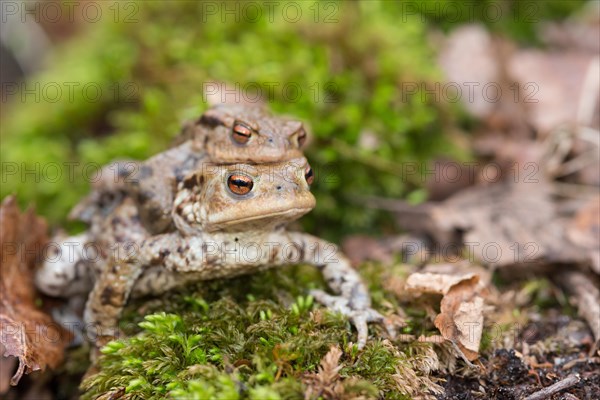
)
(358, 317)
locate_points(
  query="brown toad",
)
(230, 220)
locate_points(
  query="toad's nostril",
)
(279, 187)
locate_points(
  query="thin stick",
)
(546, 392)
(573, 190)
(589, 94)
(586, 295)
(581, 161)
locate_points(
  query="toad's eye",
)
(309, 175)
(301, 137)
(240, 184)
(241, 133)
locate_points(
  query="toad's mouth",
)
(296, 212)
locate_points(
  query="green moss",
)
(151, 73)
(253, 337)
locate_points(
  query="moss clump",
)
(340, 67)
(254, 337)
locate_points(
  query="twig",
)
(587, 297)
(557, 146)
(578, 163)
(589, 94)
(573, 190)
(589, 360)
(590, 135)
(546, 392)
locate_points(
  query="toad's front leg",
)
(352, 299)
(160, 256)
(116, 281)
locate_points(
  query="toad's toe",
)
(359, 317)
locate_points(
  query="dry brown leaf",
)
(473, 61)
(26, 332)
(552, 85)
(325, 383)
(468, 59)
(430, 282)
(361, 248)
(439, 187)
(584, 231)
(500, 225)
(461, 311)
(7, 365)
(330, 367)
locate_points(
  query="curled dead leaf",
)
(431, 282)
(25, 332)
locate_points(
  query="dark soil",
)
(506, 374)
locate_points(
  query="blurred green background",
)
(139, 71)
